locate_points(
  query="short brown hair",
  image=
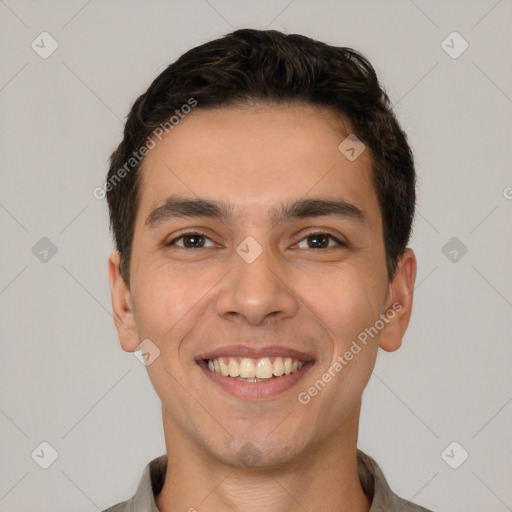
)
(270, 66)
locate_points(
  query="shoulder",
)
(376, 486)
(150, 484)
(408, 506)
(124, 506)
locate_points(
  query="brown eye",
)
(193, 240)
(320, 241)
(190, 241)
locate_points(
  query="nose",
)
(256, 292)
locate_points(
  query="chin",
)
(252, 454)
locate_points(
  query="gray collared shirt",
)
(372, 480)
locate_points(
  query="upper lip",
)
(255, 352)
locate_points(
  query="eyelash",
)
(198, 233)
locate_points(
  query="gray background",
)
(64, 378)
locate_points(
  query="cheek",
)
(346, 300)
(169, 300)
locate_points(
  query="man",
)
(261, 203)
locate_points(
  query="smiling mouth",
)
(246, 369)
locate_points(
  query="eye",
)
(320, 241)
(196, 240)
(191, 240)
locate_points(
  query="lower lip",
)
(256, 390)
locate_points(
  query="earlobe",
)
(399, 307)
(122, 305)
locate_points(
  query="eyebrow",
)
(181, 207)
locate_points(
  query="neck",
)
(324, 478)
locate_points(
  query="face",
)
(257, 266)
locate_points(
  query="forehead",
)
(254, 158)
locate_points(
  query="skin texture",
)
(316, 300)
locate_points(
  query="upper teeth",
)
(248, 368)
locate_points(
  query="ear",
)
(399, 304)
(122, 305)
